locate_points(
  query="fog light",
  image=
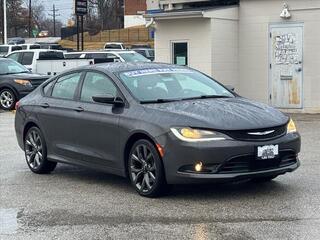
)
(198, 167)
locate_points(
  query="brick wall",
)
(132, 6)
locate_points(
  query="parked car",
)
(7, 49)
(146, 52)
(108, 56)
(156, 124)
(114, 45)
(16, 40)
(16, 82)
(45, 61)
(43, 34)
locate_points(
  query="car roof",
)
(38, 50)
(128, 66)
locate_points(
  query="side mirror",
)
(109, 99)
(231, 88)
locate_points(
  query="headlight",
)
(23, 82)
(196, 135)
(291, 127)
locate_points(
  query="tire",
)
(35, 149)
(7, 99)
(145, 169)
(263, 179)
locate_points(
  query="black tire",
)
(264, 179)
(7, 99)
(35, 149)
(146, 169)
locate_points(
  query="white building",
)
(271, 58)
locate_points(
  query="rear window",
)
(51, 55)
(72, 55)
(113, 46)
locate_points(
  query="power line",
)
(54, 15)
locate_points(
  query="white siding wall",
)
(196, 31)
(255, 17)
(134, 20)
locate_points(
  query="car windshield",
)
(8, 66)
(4, 50)
(171, 84)
(133, 57)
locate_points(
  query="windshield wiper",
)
(159, 100)
(206, 97)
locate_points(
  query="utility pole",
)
(30, 18)
(5, 37)
(54, 15)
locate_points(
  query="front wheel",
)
(146, 170)
(36, 152)
(7, 99)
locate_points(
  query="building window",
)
(180, 53)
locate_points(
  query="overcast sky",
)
(65, 8)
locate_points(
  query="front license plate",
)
(268, 152)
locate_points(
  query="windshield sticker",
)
(144, 72)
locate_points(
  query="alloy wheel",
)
(143, 168)
(34, 149)
(6, 99)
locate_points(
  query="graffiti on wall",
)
(286, 51)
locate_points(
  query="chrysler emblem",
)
(261, 133)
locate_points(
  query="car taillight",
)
(17, 105)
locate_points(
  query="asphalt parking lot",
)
(77, 203)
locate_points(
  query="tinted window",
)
(14, 56)
(35, 47)
(113, 46)
(51, 55)
(24, 47)
(96, 84)
(65, 86)
(27, 58)
(72, 55)
(15, 48)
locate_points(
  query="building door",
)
(286, 65)
(180, 53)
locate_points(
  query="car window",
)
(15, 48)
(73, 55)
(133, 57)
(4, 50)
(27, 58)
(66, 86)
(14, 56)
(96, 84)
(34, 46)
(24, 47)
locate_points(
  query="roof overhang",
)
(175, 15)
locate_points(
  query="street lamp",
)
(5, 21)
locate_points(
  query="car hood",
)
(220, 113)
(28, 76)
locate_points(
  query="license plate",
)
(268, 152)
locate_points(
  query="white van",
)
(49, 62)
(108, 56)
(114, 46)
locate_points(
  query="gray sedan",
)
(156, 124)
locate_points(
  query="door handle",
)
(44, 105)
(78, 109)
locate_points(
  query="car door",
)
(58, 114)
(98, 123)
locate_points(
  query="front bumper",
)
(220, 159)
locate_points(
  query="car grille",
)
(258, 134)
(37, 82)
(249, 163)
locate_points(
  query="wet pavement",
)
(77, 203)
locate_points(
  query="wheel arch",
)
(5, 86)
(29, 125)
(131, 141)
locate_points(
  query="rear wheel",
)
(146, 170)
(7, 99)
(36, 152)
(264, 179)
